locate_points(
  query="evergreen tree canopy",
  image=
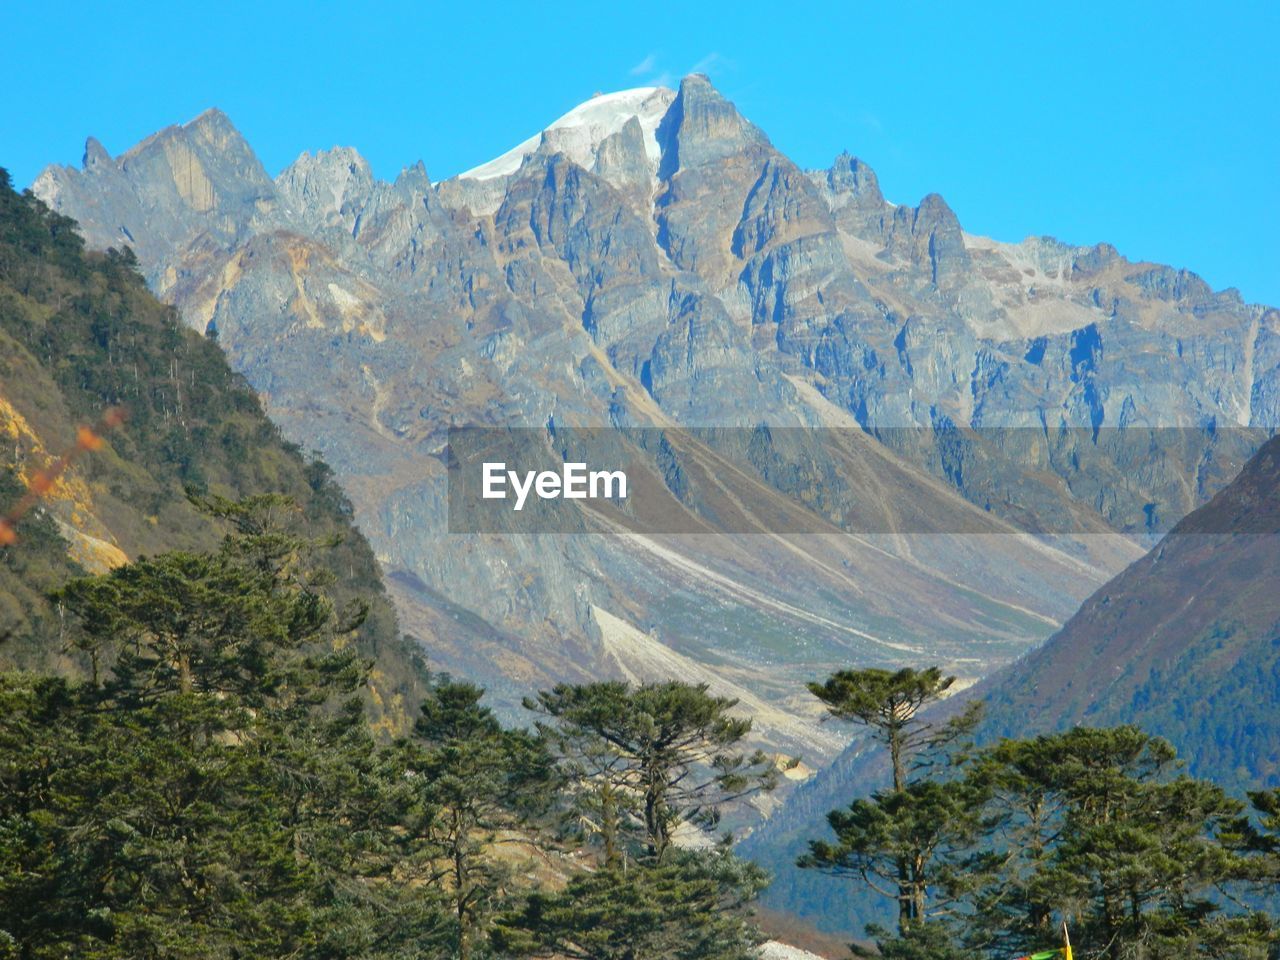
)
(888, 703)
(482, 786)
(1098, 827)
(665, 752)
(689, 906)
(897, 838)
(900, 843)
(216, 793)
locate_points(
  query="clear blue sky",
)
(1152, 125)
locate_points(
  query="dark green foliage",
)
(898, 840)
(930, 940)
(482, 785)
(901, 843)
(689, 906)
(1265, 837)
(638, 762)
(990, 852)
(1206, 678)
(1097, 826)
(218, 793)
(888, 703)
(1229, 723)
(30, 232)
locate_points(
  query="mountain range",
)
(651, 260)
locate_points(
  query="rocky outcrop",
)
(186, 185)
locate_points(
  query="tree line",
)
(213, 788)
(986, 852)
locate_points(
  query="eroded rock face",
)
(652, 260)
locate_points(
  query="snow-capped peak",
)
(579, 132)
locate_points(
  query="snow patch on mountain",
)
(578, 133)
(775, 950)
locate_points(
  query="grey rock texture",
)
(652, 260)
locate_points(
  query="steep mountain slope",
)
(1185, 643)
(653, 262)
(79, 333)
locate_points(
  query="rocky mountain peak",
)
(212, 123)
(933, 213)
(95, 154)
(200, 178)
(580, 132)
(931, 238)
(328, 187)
(580, 135)
(209, 145)
(703, 127)
(414, 179)
(622, 159)
(851, 177)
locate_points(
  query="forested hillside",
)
(81, 335)
(1186, 642)
(215, 745)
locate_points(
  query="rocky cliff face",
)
(650, 260)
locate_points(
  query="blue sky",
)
(1154, 126)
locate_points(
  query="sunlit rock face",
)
(650, 259)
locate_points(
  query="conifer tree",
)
(642, 761)
(691, 905)
(889, 705)
(652, 756)
(482, 786)
(1098, 827)
(898, 841)
(902, 843)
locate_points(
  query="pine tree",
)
(901, 843)
(479, 786)
(899, 840)
(1264, 836)
(641, 761)
(889, 705)
(651, 757)
(215, 791)
(927, 940)
(1098, 827)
